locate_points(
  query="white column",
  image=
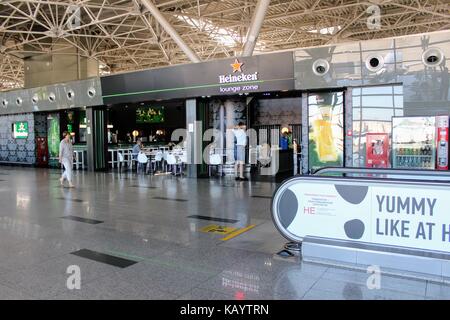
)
(255, 27)
(170, 30)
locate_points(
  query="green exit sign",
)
(20, 130)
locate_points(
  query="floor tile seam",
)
(315, 282)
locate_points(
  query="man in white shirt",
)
(66, 158)
(241, 143)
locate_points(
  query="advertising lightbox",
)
(20, 130)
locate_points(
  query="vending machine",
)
(442, 125)
(41, 152)
(414, 142)
(377, 150)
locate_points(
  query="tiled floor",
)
(175, 260)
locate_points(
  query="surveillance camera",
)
(4, 103)
(321, 67)
(91, 92)
(51, 97)
(374, 63)
(19, 101)
(432, 57)
(70, 94)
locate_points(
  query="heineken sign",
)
(20, 130)
(243, 75)
(240, 78)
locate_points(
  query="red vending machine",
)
(377, 150)
(442, 142)
(41, 152)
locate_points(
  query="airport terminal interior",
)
(224, 150)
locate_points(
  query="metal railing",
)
(415, 175)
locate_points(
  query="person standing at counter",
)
(137, 149)
(66, 158)
(241, 143)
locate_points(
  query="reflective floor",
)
(160, 237)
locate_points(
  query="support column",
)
(255, 27)
(90, 139)
(192, 133)
(96, 139)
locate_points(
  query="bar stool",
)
(113, 158)
(77, 161)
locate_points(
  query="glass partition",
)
(373, 110)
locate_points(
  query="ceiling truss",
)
(122, 35)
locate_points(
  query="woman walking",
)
(66, 158)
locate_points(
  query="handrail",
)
(381, 171)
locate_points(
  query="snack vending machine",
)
(414, 142)
(442, 142)
(377, 150)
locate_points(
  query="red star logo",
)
(236, 65)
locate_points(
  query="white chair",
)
(120, 159)
(215, 160)
(142, 160)
(183, 159)
(164, 161)
(172, 163)
(264, 155)
(157, 160)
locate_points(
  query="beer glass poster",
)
(326, 129)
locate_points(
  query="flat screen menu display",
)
(150, 115)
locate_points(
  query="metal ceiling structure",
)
(123, 35)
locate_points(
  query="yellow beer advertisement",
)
(326, 129)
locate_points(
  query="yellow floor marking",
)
(238, 232)
(213, 228)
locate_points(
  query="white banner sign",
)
(415, 216)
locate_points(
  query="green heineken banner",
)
(53, 135)
(20, 130)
